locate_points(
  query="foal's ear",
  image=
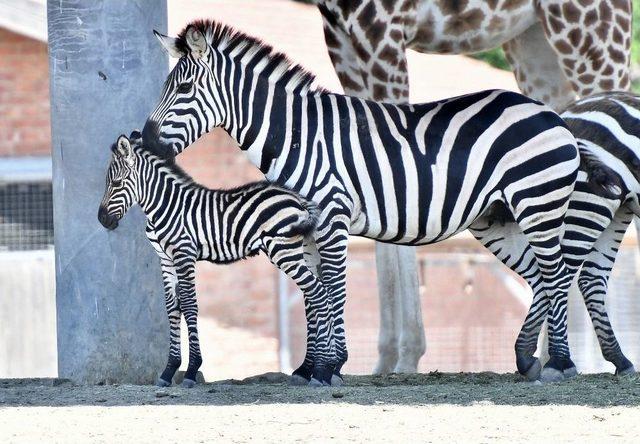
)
(123, 149)
(196, 41)
(169, 45)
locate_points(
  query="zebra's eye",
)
(184, 88)
(116, 183)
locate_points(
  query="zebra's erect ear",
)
(169, 44)
(123, 149)
(196, 41)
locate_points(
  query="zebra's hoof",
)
(298, 380)
(570, 372)
(629, 371)
(550, 374)
(162, 383)
(188, 383)
(336, 380)
(316, 383)
(533, 374)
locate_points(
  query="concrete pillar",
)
(106, 72)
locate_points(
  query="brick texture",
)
(24, 96)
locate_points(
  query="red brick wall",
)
(24, 96)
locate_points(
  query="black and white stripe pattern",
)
(187, 223)
(407, 174)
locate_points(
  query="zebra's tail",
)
(602, 179)
(308, 222)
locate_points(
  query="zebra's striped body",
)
(607, 128)
(187, 223)
(407, 174)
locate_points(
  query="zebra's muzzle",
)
(109, 221)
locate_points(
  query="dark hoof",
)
(162, 383)
(188, 383)
(528, 366)
(570, 372)
(550, 374)
(336, 380)
(629, 371)
(316, 383)
(298, 380)
(322, 374)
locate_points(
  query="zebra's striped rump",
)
(187, 222)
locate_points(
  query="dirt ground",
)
(434, 407)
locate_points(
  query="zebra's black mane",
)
(227, 39)
(168, 161)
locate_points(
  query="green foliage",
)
(495, 58)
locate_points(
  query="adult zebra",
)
(187, 222)
(406, 174)
(607, 128)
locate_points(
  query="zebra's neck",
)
(268, 120)
(159, 183)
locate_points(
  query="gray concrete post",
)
(106, 71)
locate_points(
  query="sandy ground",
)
(432, 407)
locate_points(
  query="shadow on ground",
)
(600, 390)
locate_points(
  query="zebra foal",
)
(187, 222)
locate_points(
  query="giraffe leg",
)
(170, 280)
(593, 281)
(536, 68)
(592, 41)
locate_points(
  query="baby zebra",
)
(187, 222)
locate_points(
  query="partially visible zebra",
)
(406, 174)
(187, 222)
(607, 128)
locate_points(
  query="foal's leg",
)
(185, 267)
(287, 254)
(170, 281)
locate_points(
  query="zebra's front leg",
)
(287, 254)
(185, 266)
(170, 280)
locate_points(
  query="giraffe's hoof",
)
(162, 383)
(336, 380)
(629, 371)
(188, 383)
(533, 374)
(316, 383)
(298, 380)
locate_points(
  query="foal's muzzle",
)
(109, 221)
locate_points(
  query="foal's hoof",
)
(550, 374)
(629, 371)
(188, 383)
(298, 380)
(162, 383)
(336, 380)
(528, 366)
(317, 383)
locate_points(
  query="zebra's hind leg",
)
(593, 282)
(332, 241)
(288, 255)
(185, 266)
(504, 238)
(170, 281)
(541, 221)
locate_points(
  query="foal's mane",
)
(238, 45)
